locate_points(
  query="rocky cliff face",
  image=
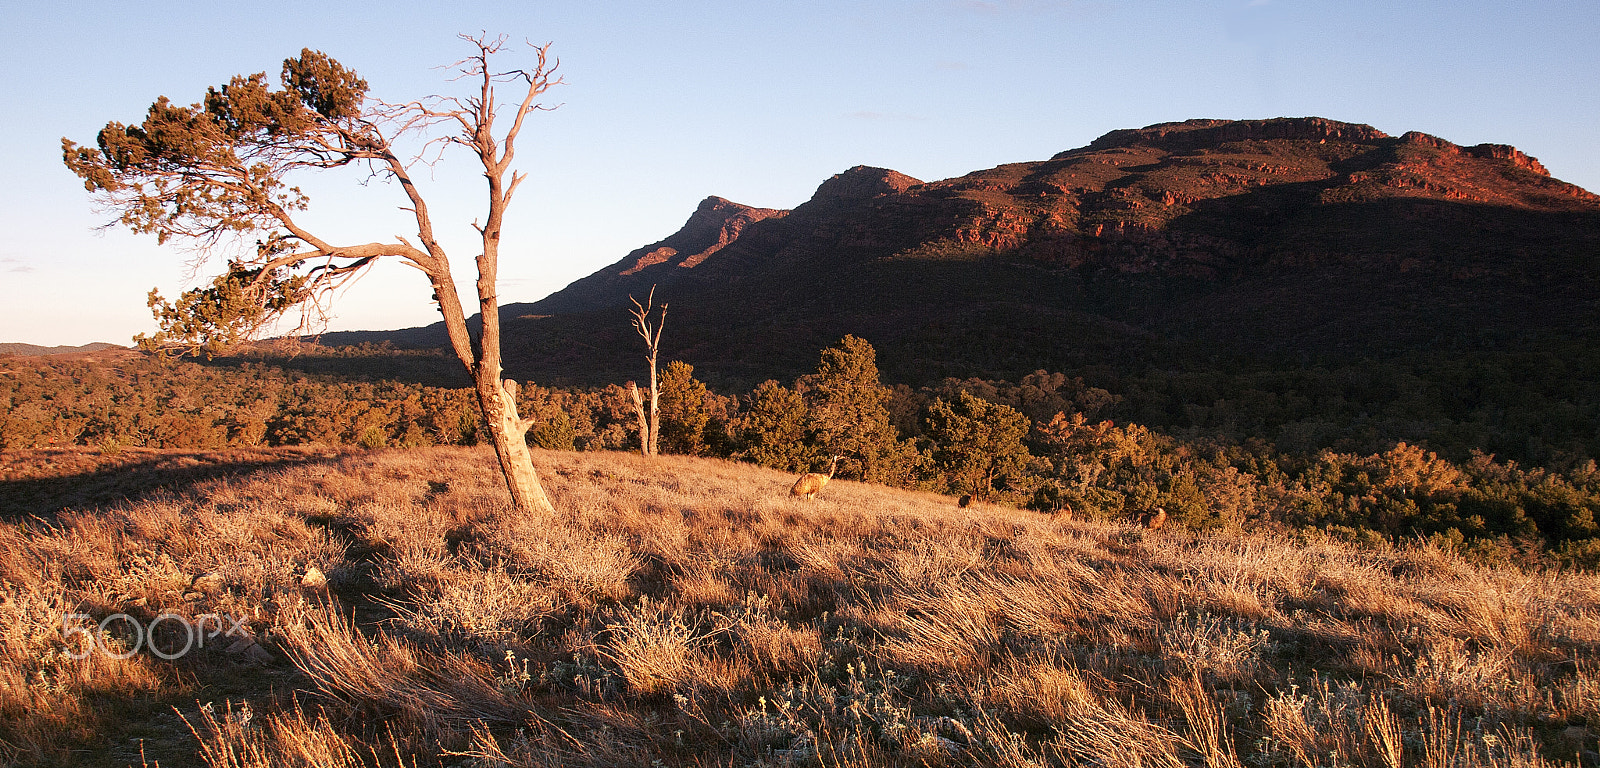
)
(1199, 199)
(712, 226)
(862, 183)
(1207, 198)
(715, 223)
(1195, 134)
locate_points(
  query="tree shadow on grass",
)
(42, 483)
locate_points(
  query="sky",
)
(665, 103)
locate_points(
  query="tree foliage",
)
(218, 168)
(217, 174)
(976, 444)
(772, 432)
(1490, 508)
(214, 319)
(685, 410)
(847, 413)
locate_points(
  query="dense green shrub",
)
(847, 414)
(686, 407)
(771, 430)
(975, 446)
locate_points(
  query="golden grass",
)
(690, 612)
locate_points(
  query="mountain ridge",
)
(1178, 241)
(715, 223)
(20, 349)
(1394, 168)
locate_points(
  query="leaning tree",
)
(217, 175)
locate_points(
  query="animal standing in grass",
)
(1154, 519)
(811, 483)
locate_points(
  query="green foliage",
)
(1488, 509)
(1583, 554)
(844, 392)
(1109, 471)
(216, 170)
(1039, 395)
(975, 444)
(216, 166)
(372, 437)
(772, 429)
(553, 412)
(149, 402)
(217, 318)
(324, 85)
(1047, 498)
(948, 250)
(847, 413)
(554, 433)
(685, 410)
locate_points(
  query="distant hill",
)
(33, 350)
(1262, 243)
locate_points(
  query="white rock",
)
(314, 579)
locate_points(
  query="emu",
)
(1153, 519)
(811, 483)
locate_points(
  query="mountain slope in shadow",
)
(1264, 242)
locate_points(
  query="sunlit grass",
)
(689, 611)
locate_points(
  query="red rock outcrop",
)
(863, 183)
(1134, 201)
(1192, 134)
(713, 225)
(1504, 152)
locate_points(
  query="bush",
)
(772, 429)
(975, 444)
(847, 414)
(684, 410)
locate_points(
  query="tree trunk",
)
(655, 408)
(646, 433)
(508, 432)
(516, 462)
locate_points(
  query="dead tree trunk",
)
(644, 421)
(509, 433)
(649, 433)
(655, 407)
(497, 400)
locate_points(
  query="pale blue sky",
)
(758, 102)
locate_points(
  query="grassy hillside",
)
(386, 608)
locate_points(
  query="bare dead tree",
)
(215, 171)
(649, 427)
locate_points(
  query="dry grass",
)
(690, 612)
